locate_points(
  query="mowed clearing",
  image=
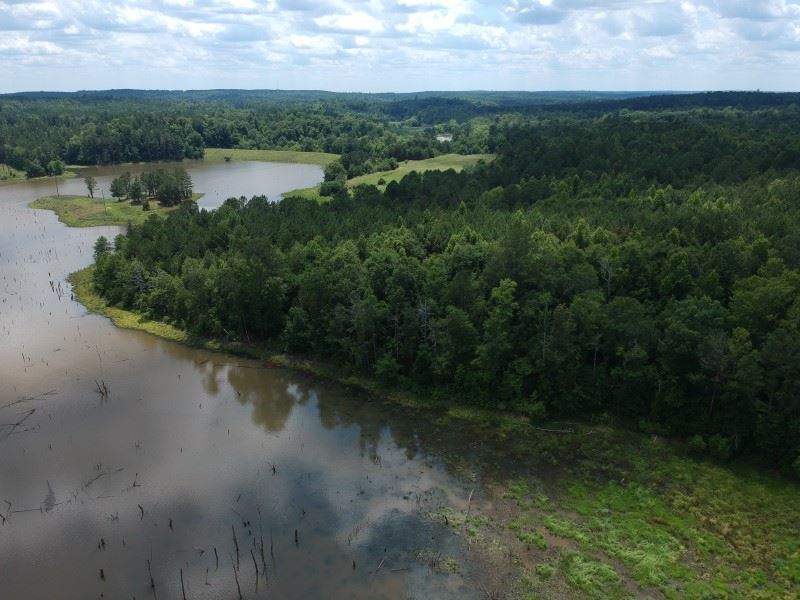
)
(457, 162)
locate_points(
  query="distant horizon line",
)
(430, 91)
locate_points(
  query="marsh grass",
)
(592, 577)
(629, 516)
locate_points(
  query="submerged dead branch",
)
(102, 389)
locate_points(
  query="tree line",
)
(169, 186)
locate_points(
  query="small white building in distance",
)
(444, 137)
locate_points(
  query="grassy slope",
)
(312, 158)
(444, 162)
(458, 162)
(311, 193)
(595, 512)
(82, 211)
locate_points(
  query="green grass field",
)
(289, 156)
(82, 211)
(457, 162)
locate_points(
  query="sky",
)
(400, 45)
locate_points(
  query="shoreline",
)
(210, 155)
(320, 159)
(81, 282)
(68, 174)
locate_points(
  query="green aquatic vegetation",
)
(663, 522)
(471, 525)
(544, 570)
(564, 528)
(10, 174)
(594, 578)
(518, 490)
(524, 527)
(543, 503)
(439, 562)
(688, 528)
(631, 523)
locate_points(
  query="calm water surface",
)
(325, 491)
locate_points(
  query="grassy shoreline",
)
(19, 176)
(82, 211)
(9, 174)
(82, 287)
(321, 159)
(584, 510)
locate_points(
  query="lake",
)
(208, 473)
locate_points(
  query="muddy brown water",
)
(192, 446)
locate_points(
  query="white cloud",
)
(353, 22)
(401, 44)
(314, 43)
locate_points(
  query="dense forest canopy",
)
(41, 132)
(89, 129)
(636, 264)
